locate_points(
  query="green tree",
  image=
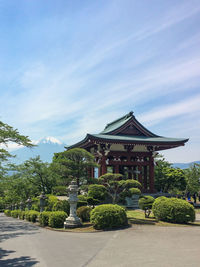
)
(168, 179)
(116, 186)
(193, 178)
(38, 174)
(27, 180)
(9, 134)
(160, 173)
(74, 163)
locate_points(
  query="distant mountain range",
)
(184, 165)
(45, 148)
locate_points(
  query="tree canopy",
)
(74, 164)
(9, 134)
(168, 179)
(193, 178)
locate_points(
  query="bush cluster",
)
(84, 213)
(31, 215)
(108, 216)
(173, 210)
(15, 213)
(7, 212)
(22, 215)
(57, 218)
(44, 218)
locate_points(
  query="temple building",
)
(125, 146)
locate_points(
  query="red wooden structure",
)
(125, 146)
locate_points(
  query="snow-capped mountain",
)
(46, 147)
(48, 140)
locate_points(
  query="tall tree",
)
(193, 178)
(168, 179)
(75, 163)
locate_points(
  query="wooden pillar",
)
(140, 174)
(116, 168)
(103, 165)
(92, 172)
(145, 179)
(151, 174)
(129, 172)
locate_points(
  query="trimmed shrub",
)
(145, 203)
(98, 192)
(7, 212)
(81, 203)
(130, 183)
(44, 218)
(22, 215)
(62, 205)
(108, 216)
(84, 213)
(173, 210)
(57, 218)
(31, 215)
(15, 213)
(135, 191)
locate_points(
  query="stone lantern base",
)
(72, 222)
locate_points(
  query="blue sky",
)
(67, 68)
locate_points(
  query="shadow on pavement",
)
(11, 228)
(23, 261)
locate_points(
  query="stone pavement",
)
(24, 244)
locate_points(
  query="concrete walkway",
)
(24, 244)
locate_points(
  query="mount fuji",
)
(46, 147)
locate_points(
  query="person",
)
(188, 196)
(195, 198)
(199, 196)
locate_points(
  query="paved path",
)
(24, 244)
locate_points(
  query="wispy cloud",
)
(102, 63)
(188, 106)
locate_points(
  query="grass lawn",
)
(197, 211)
(138, 217)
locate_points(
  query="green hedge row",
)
(54, 219)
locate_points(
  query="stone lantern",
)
(29, 203)
(42, 201)
(21, 205)
(73, 220)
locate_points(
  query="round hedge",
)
(108, 216)
(57, 219)
(173, 210)
(84, 213)
(146, 202)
